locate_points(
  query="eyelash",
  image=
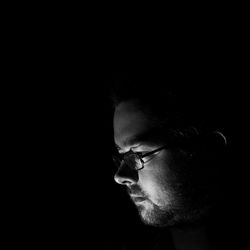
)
(148, 158)
(142, 152)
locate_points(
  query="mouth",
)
(137, 199)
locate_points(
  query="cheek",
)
(158, 180)
(155, 183)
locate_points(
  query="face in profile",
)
(161, 190)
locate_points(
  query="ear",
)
(212, 145)
(209, 145)
(209, 151)
(218, 139)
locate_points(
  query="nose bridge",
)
(126, 175)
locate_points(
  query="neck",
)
(192, 239)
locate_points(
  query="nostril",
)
(120, 180)
(125, 176)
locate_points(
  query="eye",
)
(147, 156)
(141, 155)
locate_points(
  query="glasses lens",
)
(131, 160)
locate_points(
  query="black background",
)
(66, 194)
(60, 185)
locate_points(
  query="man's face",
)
(158, 190)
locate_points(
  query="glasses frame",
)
(121, 157)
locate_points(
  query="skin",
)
(163, 191)
(160, 182)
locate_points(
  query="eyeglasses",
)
(134, 160)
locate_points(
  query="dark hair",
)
(176, 104)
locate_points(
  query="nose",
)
(126, 176)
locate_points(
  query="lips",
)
(138, 198)
(136, 194)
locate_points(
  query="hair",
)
(184, 114)
(176, 105)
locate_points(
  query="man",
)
(171, 159)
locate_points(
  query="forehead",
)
(129, 122)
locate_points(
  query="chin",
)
(152, 215)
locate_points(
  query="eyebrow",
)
(149, 137)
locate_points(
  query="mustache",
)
(135, 190)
